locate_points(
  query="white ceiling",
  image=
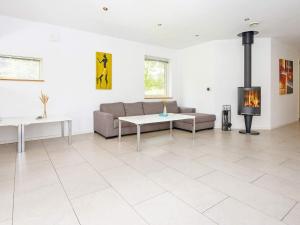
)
(181, 19)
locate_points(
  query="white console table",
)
(23, 122)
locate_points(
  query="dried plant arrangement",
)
(44, 99)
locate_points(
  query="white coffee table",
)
(22, 122)
(153, 118)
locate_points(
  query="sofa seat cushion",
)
(153, 107)
(133, 109)
(200, 117)
(116, 109)
(172, 107)
(124, 124)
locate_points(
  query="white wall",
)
(69, 73)
(219, 65)
(285, 108)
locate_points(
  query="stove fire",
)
(251, 99)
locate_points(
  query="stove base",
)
(250, 133)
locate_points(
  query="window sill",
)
(157, 97)
(3, 79)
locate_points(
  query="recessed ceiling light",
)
(104, 8)
(254, 23)
(247, 19)
(197, 35)
(159, 24)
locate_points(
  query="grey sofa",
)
(106, 119)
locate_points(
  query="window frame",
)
(166, 62)
(39, 60)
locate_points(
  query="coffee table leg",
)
(194, 127)
(70, 131)
(138, 137)
(120, 130)
(171, 128)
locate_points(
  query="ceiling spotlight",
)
(246, 19)
(197, 35)
(104, 8)
(159, 24)
(253, 24)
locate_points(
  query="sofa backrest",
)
(172, 107)
(153, 107)
(133, 109)
(117, 109)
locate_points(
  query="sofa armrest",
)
(103, 123)
(186, 110)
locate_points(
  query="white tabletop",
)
(15, 121)
(155, 118)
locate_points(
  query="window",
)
(156, 77)
(19, 68)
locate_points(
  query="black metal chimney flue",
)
(247, 40)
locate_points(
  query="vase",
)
(45, 111)
(165, 111)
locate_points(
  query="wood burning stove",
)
(249, 98)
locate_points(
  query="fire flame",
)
(251, 99)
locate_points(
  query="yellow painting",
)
(103, 70)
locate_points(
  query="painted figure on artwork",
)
(103, 70)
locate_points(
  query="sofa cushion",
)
(116, 109)
(153, 107)
(133, 109)
(200, 117)
(172, 107)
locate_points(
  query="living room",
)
(213, 176)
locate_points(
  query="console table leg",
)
(70, 131)
(62, 124)
(20, 138)
(171, 128)
(138, 137)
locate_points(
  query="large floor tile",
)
(230, 168)
(166, 209)
(281, 186)
(133, 186)
(168, 178)
(6, 199)
(101, 160)
(293, 218)
(80, 179)
(232, 212)
(197, 194)
(6, 222)
(45, 206)
(65, 157)
(105, 207)
(142, 163)
(33, 176)
(292, 164)
(32, 156)
(7, 171)
(184, 165)
(266, 201)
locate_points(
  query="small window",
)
(20, 68)
(156, 77)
